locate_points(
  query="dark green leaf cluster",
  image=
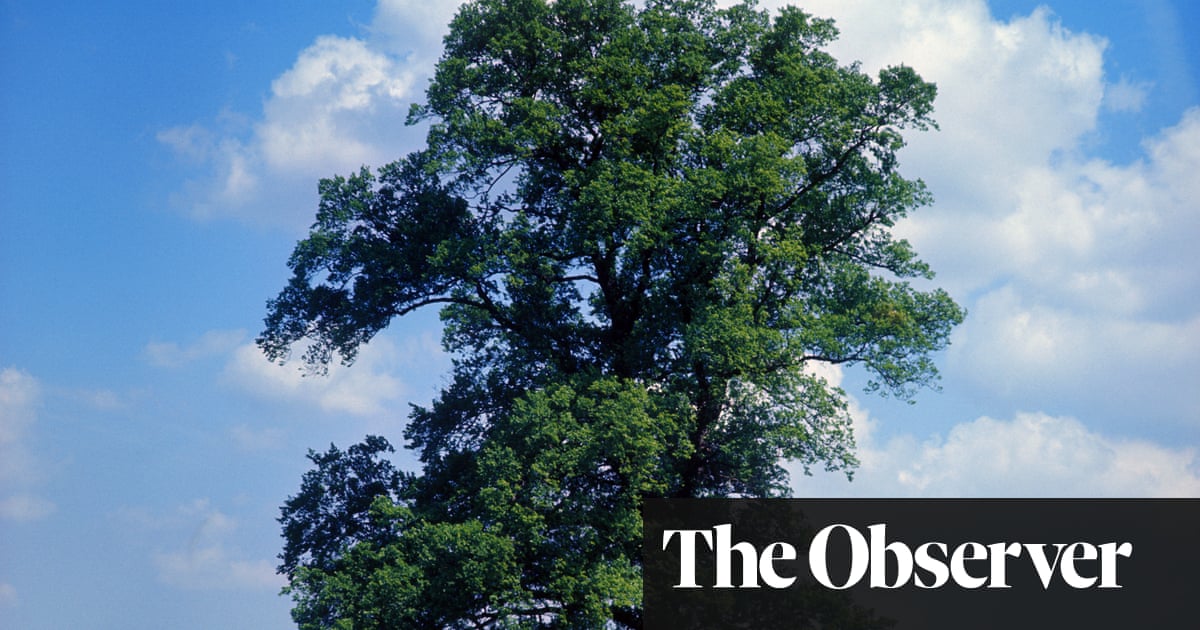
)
(331, 513)
(643, 227)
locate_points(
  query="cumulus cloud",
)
(1088, 234)
(212, 568)
(207, 563)
(322, 111)
(212, 343)
(200, 554)
(1127, 95)
(1142, 370)
(340, 106)
(1038, 454)
(368, 387)
(1030, 455)
(1092, 293)
(20, 396)
(413, 29)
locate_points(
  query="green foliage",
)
(332, 510)
(428, 575)
(643, 227)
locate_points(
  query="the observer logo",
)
(920, 564)
(891, 565)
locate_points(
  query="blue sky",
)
(158, 162)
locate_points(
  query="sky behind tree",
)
(158, 163)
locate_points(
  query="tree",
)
(643, 228)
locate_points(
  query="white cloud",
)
(1091, 291)
(368, 387)
(340, 106)
(414, 28)
(321, 111)
(20, 396)
(210, 344)
(192, 142)
(207, 561)
(1126, 95)
(1041, 353)
(1036, 454)
(1095, 236)
(212, 568)
(1031, 455)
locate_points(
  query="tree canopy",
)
(643, 228)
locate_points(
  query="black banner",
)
(922, 564)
